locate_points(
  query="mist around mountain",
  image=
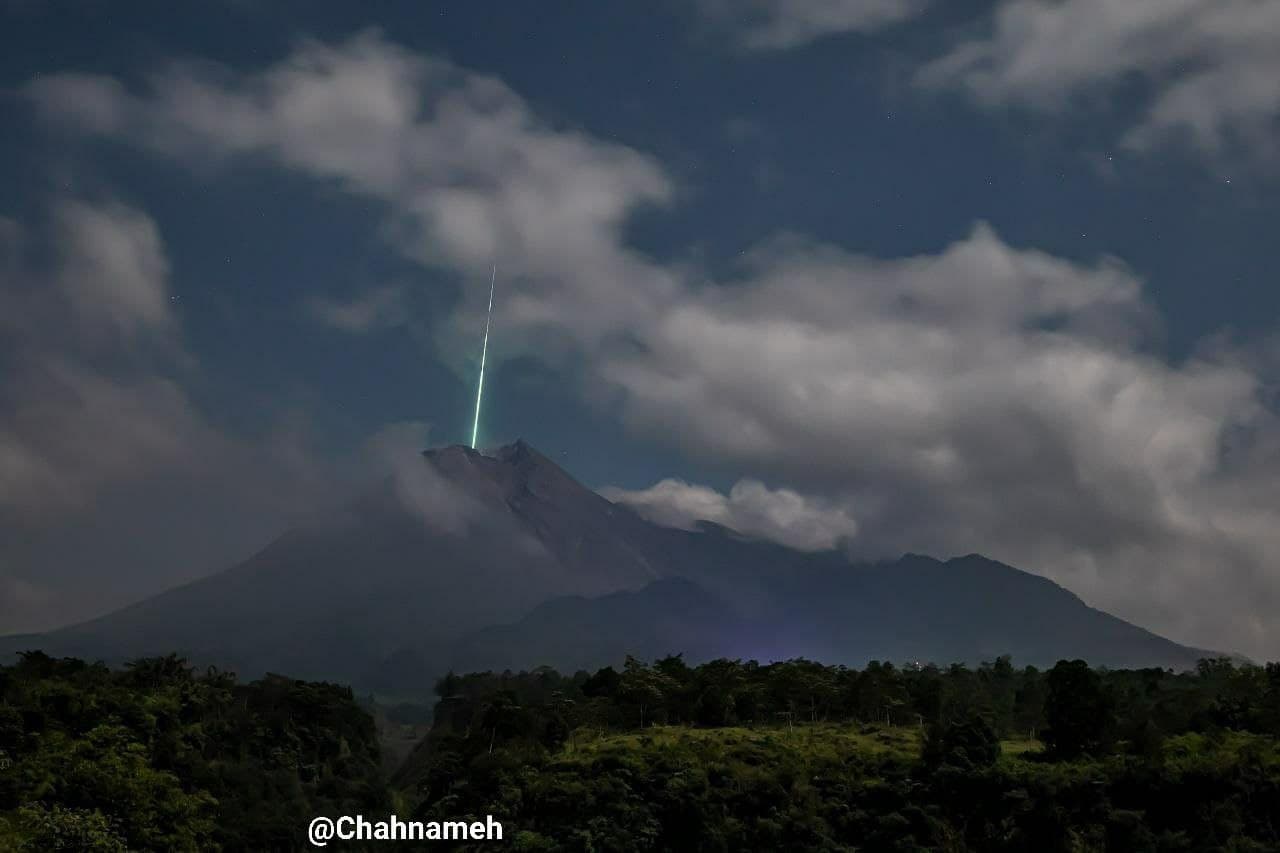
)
(469, 561)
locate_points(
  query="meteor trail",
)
(475, 427)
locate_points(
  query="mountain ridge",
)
(457, 560)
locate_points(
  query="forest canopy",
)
(725, 755)
(158, 756)
(733, 755)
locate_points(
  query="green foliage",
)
(158, 757)
(967, 743)
(726, 755)
(53, 827)
(732, 755)
(1079, 711)
(847, 786)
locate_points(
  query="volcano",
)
(470, 561)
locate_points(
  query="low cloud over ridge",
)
(750, 507)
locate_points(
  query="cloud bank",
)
(1208, 72)
(1211, 70)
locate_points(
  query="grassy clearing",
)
(831, 741)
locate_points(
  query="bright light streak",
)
(475, 427)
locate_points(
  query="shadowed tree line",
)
(1072, 708)
(797, 755)
(727, 755)
(158, 756)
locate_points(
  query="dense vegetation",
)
(723, 756)
(731, 755)
(159, 757)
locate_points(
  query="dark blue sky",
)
(831, 136)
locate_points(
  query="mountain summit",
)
(465, 560)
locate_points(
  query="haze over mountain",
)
(470, 561)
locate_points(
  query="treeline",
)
(1074, 709)
(735, 755)
(727, 755)
(158, 756)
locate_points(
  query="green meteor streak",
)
(475, 427)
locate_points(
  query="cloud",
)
(113, 481)
(112, 268)
(380, 307)
(85, 406)
(422, 490)
(981, 397)
(105, 283)
(68, 424)
(19, 599)
(71, 430)
(752, 508)
(988, 399)
(471, 175)
(782, 24)
(1211, 69)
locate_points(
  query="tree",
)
(880, 690)
(643, 686)
(681, 694)
(1079, 712)
(967, 743)
(1269, 706)
(999, 684)
(158, 672)
(502, 715)
(56, 828)
(719, 686)
(1028, 702)
(604, 684)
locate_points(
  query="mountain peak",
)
(520, 452)
(516, 468)
(451, 451)
(516, 451)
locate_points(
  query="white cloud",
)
(112, 267)
(68, 426)
(472, 175)
(984, 397)
(1212, 68)
(751, 508)
(781, 24)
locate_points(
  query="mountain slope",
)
(375, 592)
(968, 610)
(465, 560)
(667, 616)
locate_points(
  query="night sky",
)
(882, 275)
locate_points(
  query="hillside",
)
(968, 609)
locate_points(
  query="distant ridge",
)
(469, 560)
